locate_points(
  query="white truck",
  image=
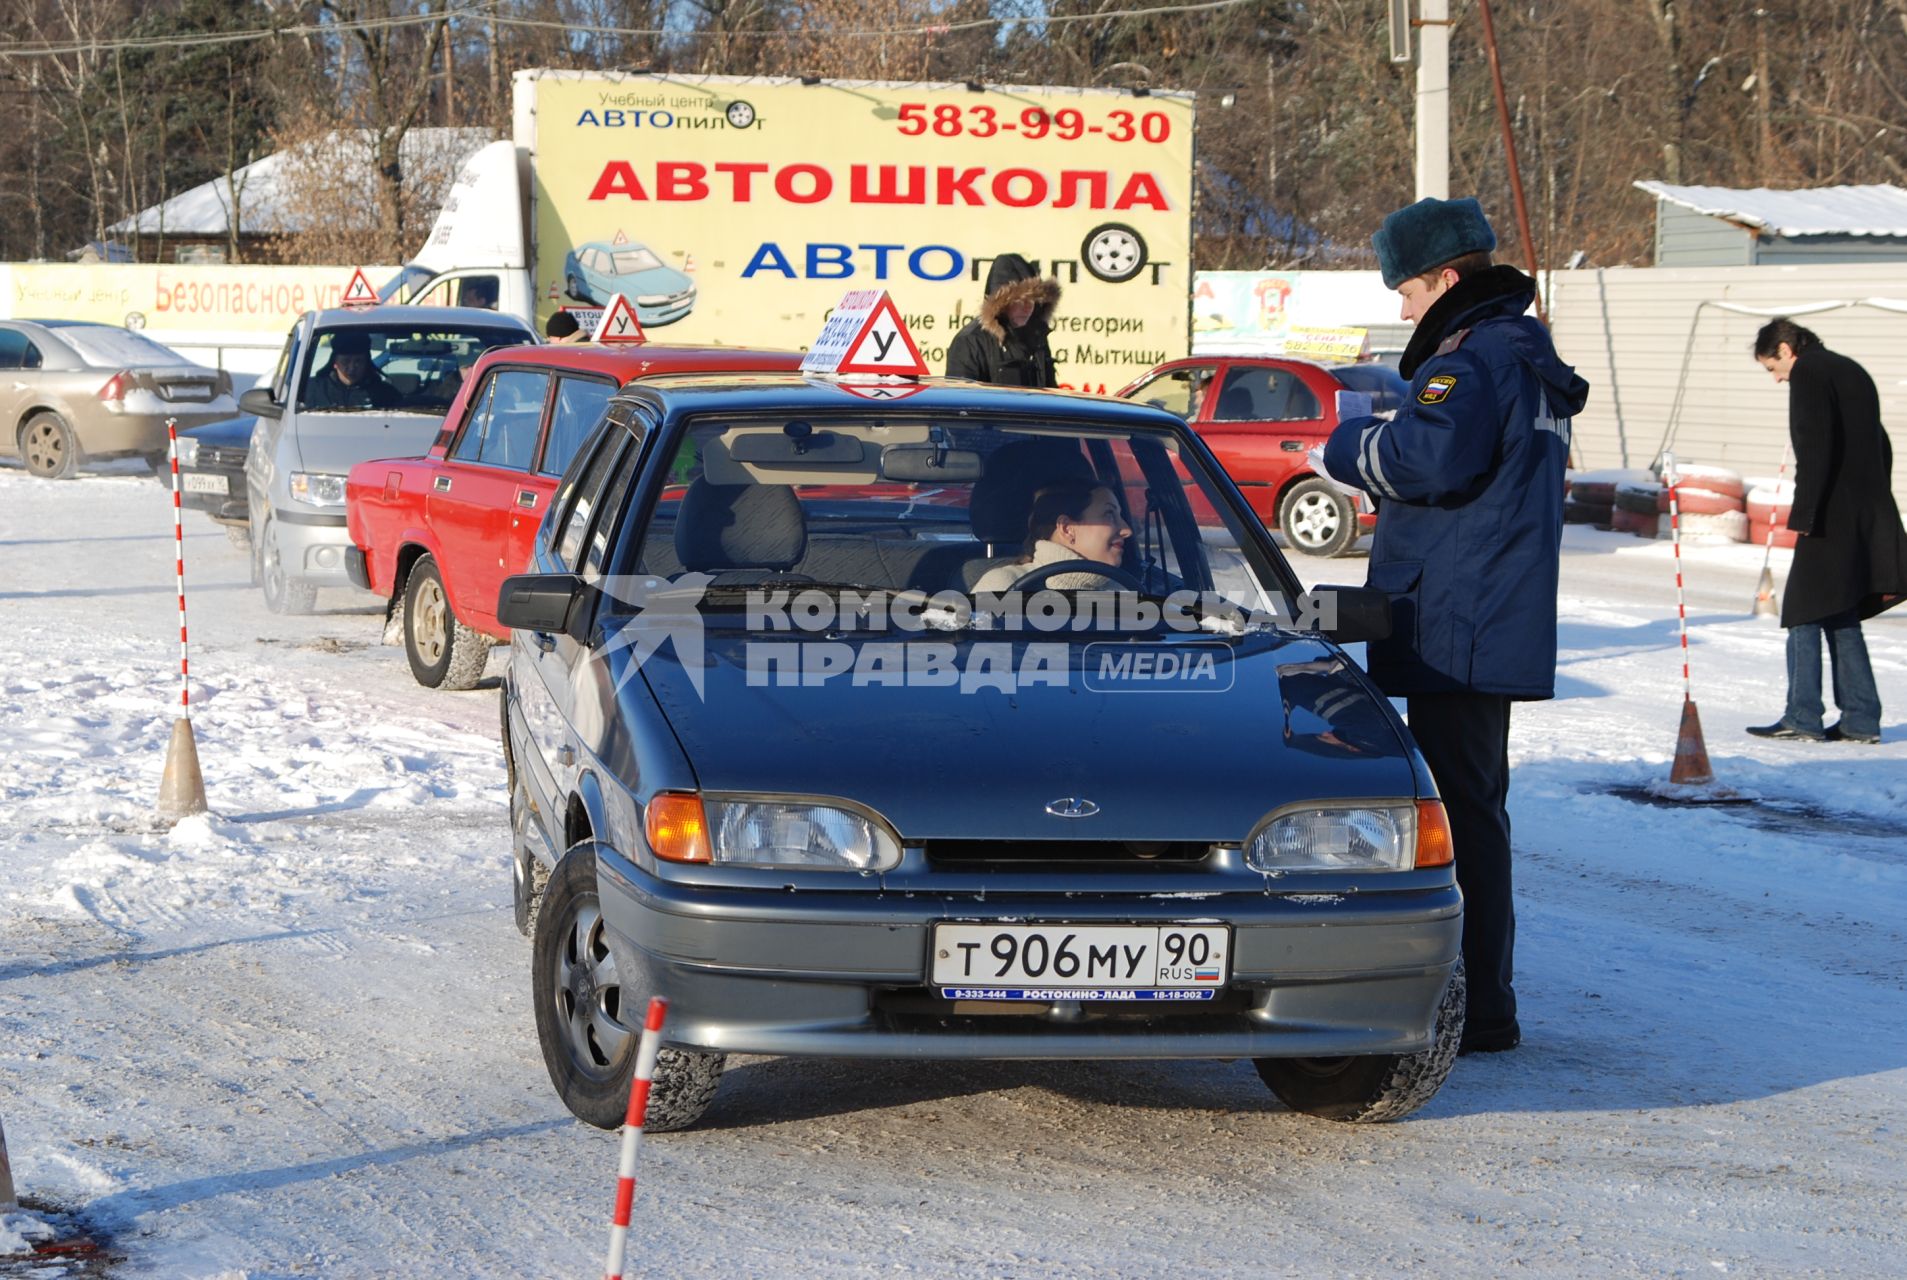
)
(737, 211)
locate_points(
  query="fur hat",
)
(1423, 236)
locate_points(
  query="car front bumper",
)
(845, 973)
(312, 546)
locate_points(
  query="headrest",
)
(350, 342)
(740, 526)
(1002, 499)
(1235, 404)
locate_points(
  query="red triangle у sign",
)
(619, 323)
(883, 345)
(359, 292)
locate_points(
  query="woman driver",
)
(1069, 521)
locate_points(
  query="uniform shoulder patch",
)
(1451, 343)
(1437, 389)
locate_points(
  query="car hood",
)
(1297, 722)
(333, 443)
(653, 281)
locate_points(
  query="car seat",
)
(740, 532)
(998, 508)
(1237, 404)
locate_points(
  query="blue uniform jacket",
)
(1469, 481)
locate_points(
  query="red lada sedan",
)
(437, 535)
(1260, 414)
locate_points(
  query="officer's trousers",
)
(1465, 738)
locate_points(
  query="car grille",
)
(1030, 853)
(218, 458)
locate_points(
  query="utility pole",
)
(1433, 99)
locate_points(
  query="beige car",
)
(72, 391)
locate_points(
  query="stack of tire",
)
(1768, 502)
(1638, 506)
(1711, 502)
(1592, 495)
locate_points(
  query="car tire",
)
(1113, 252)
(1373, 1088)
(283, 593)
(49, 448)
(588, 1026)
(1317, 519)
(577, 291)
(444, 653)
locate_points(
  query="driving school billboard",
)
(740, 210)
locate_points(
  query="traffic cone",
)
(1691, 755)
(182, 789)
(1765, 606)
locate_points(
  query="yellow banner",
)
(770, 199)
(1311, 342)
(177, 298)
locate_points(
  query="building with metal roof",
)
(1728, 227)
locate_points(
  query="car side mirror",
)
(1348, 615)
(550, 603)
(257, 401)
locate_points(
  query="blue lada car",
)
(962, 722)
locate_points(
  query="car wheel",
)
(588, 1023)
(1374, 1088)
(1113, 252)
(283, 593)
(576, 291)
(49, 448)
(443, 651)
(1317, 519)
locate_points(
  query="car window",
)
(503, 432)
(13, 349)
(477, 291)
(287, 361)
(628, 262)
(414, 368)
(585, 496)
(1176, 390)
(578, 408)
(1257, 393)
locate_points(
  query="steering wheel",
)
(1037, 579)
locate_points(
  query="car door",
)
(1260, 420)
(573, 539)
(577, 401)
(267, 431)
(474, 500)
(16, 383)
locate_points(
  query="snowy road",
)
(294, 1038)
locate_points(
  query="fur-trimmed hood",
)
(1012, 279)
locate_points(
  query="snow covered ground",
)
(294, 1038)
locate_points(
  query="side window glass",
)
(437, 297)
(1257, 394)
(287, 361)
(13, 346)
(32, 359)
(1178, 391)
(477, 291)
(516, 418)
(589, 489)
(469, 446)
(608, 512)
(579, 407)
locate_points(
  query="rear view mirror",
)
(930, 464)
(1348, 615)
(258, 402)
(550, 603)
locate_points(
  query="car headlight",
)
(654, 299)
(1332, 838)
(188, 451)
(318, 489)
(767, 833)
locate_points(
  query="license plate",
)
(1081, 962)
(195, 483)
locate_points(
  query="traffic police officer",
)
(1468, 480)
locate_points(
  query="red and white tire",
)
(1715, 479)
(1758, 534)
(1623, 520)
(1696, 501)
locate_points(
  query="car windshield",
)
(408, 280)
(403, 368)
(108, 346)
(630, 261)
(962, 513)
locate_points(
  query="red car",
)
(437, 535)
(1260, 414)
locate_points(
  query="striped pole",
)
(1691, 767)
(178, 543)
(1675, 534)
(646, 1052)
(1765, 605)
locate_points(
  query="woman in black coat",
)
(1850, 561)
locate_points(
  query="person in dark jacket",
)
(1006, 343)
(1469, 481)
(1850, 560)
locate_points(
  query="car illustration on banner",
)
(596, 272)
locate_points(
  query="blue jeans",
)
(1854, 691)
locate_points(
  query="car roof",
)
(383, 316)
(744, 393)
(626, 361)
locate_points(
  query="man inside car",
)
(350, 381)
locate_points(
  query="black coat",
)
(989, 350)
(1852, 553)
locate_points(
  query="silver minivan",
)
(350, 385)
